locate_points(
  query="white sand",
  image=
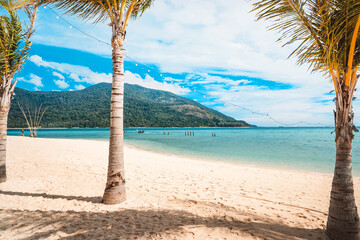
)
(54, 190)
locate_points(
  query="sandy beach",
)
(55, 186)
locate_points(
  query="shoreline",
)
(204, 159)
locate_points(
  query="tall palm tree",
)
(326, 35)
(118, 13)
(14, 46)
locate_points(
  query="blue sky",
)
(209, 47)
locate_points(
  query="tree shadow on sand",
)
(146, 223)
(53, 196)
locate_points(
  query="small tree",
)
(14, 46)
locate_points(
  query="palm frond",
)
(14, 40)
(92, 10)
(140, 7)
(298, 22)
(102, 10)
(324, 31)
(14, 4)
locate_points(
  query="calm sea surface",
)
(294, 148)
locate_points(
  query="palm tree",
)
(327, 36)
(118, 12)
(14, 46)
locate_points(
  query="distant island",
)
(143, 107)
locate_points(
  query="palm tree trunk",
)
(4, 111)
(115, 191)
(343, 220)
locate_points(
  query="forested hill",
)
(143, 107)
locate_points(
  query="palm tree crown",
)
(14, 37)
(14, 47)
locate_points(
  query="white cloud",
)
(75, 77)
(56, 74)
(150, 82)
(79, 87)
(61, 84)
(76, 72)
(205, 79)
(33, 79)
(285, 105)
(234, 41)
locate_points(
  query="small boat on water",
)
(140, 131)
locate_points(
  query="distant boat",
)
(140, 131)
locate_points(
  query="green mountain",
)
(143, 107)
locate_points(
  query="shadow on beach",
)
(146, 223)
(53, 196)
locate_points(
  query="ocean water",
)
(309, 149)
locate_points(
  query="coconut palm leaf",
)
(296, 22)
(103, 10)
(14, 37)
(11, 34)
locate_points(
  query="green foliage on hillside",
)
(91, 108)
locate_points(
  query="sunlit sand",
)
(55, 186)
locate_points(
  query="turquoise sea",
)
(311, 149)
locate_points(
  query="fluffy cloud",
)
(56, 74)
(220, 34)
(76, 72)
(150, 82)
(61, 84)
(79, 87)
(287, 105)
(33, 79)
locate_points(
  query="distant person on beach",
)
(22, 132)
